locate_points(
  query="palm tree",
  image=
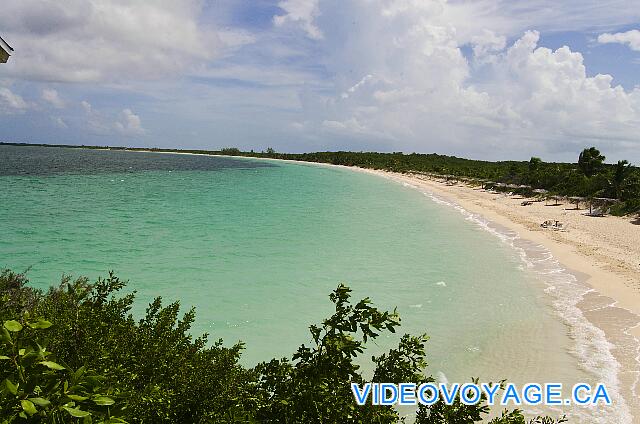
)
(620, 175)
(534, 168)
(590, 161)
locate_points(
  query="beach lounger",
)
(554, 225)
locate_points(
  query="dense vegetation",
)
(618, 184)
(76, 354)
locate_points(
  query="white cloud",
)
(552, 99)
(349, 126)
(359, 84)
(302, 13)
(235, 38)
(129, 124)
(400, 7)
(103, 123)
(506, 17)
(275, 75)
(51, 96)
(96, 121)
(630, 38)
(106, 40)
(11, 103)
(86, 106)
(487, 42)
(426, 96)
(59, 122)
(512, 17)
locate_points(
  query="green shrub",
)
(40, 390)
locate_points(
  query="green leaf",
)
(77, 398)
(75, 412)
(41, 324)
(52, 365)
(79, 373)
(13, 389)
(40, 401)
(104, 401)
(28, 407)
(5, 334)
(4, 357)
(13, 326)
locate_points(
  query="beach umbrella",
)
(540, 192)
(601, 201)
(5, 51)
(577, 200)
(556, 199)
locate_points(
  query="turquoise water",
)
(257, 249)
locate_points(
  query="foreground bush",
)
(101, 365)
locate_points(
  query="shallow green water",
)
(257, 250)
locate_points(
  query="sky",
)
(486, 79)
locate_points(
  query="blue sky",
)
(491, 79)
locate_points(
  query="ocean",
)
(256, 246)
